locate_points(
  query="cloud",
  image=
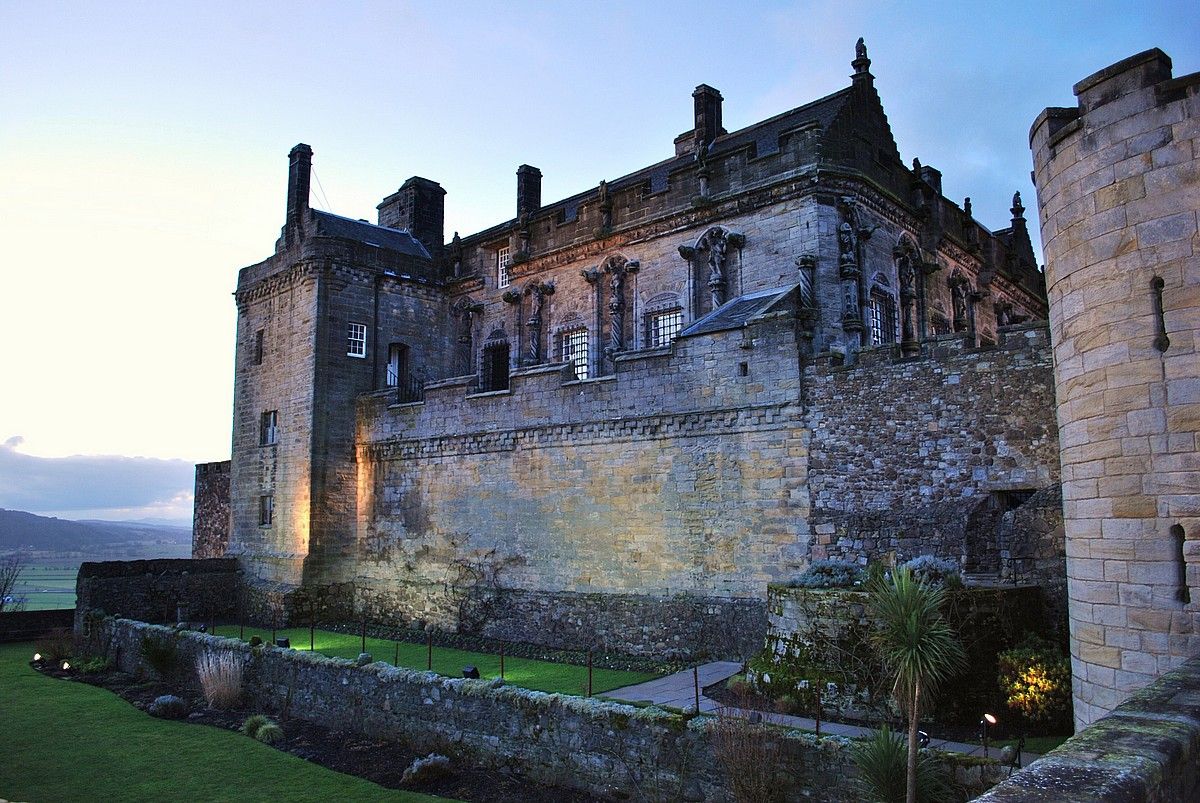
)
(87, 484)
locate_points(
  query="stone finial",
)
(967, 206)
(861, 64)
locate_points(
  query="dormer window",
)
(503, 263)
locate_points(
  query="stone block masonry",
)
(956, 461)
(603, 748)
(160, 590)
(577, 513)
(210, 518)
(1118, 181)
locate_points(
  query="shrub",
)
(935, 571)
(269, 733)
(1035, 678)
(432, 766)
(881, 761)
(787, 704)
(168, 706)
(748, 755)
(160, 654)
(55, 645)
(256, 641)
(254, 722)
(220, 679)
(830, 574)
(737, 684)
(97, 663)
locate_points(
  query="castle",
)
(612, 420)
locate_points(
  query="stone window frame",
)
(570, 338)
(661, 305)
(356, 340)
(882, 328)
(266, 510)
(503, 267)
(268, 428)
(259, 337)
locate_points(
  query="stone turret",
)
(1119, 186)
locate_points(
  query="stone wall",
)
(1145, 751)
(674, 486)
(600, 747)
(210, 518)
(1118, 181)
(162, 590)
(924, 456)
(30, 625)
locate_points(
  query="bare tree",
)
(10, 571)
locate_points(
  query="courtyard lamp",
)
(37, 657)
(988, 719)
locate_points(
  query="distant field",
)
(46, 588)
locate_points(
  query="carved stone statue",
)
(958, 295)
(846, 242)
(539, 291)
(456, 255)
(617, 271)
(860, 49)
(606, 207)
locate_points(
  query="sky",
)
(143, 161)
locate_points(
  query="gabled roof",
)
(331, 225)
(738, 312)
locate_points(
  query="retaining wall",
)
(602, 747)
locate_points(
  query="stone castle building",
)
(1118, 179)
(613, 419)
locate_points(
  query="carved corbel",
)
(687, 252)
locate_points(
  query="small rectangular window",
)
(268, 431)
(574, 349)
(258, 347)
(356, 340)
(663, 327)
(883, 326)
(266, 510)
(503, 262)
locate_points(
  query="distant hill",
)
(29, 532)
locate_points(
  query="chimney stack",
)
(419, 207)
(529, 189)
(708, 114)
(299, 178)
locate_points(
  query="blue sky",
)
(143, 153)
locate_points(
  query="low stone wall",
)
(30, 625)
(1146, 751)
(602, 747)
(163, 590)
(822, 634)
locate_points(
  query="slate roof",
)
(736, 313)
(330, 225)
(764, 135)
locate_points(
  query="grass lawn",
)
(67, 741)
(46, 587)
(1035, 744)
(524, 672)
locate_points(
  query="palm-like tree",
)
(918, 647)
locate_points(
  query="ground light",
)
(66, 665)
(37, 656)
(988, 719)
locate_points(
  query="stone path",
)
(679, 691)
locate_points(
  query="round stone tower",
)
(1118, 182)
